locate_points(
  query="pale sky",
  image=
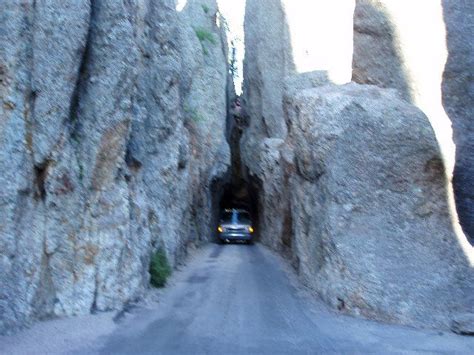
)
(234, 11)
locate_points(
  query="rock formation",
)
(112, 128)
(274, 66)
(458, 101)
(424, 50)
(353, 182)
(371, 225)
(114, 143)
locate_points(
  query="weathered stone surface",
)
(424, 51)
(265, 67)
(272, 159)
(377, 57)
(56, 60)
(25, 281)
(458, 101)
(353, 187)
(288, 38)
(371, 226)
(101, 159)
(205, 108)
(283, 57)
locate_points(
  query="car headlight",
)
(251, 230)
(220, 229)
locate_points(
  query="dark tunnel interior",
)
(227, 195)
(235, 190)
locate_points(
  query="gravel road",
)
(230, 299)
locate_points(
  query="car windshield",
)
(236, 217)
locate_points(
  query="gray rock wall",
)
(266, 65)
(289, 44)
(354, 188)
(267, 61)
(377, 54)
(111, 129)
(458, 101)
(423, 50)
(371, 224)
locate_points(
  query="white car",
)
(235, 225)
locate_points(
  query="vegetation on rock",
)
(160, 269)
(205, 36)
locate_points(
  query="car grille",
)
(236, 229)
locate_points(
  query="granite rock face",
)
(458, 101)
(371, 225)
(268, 62)
(424, 51)
(112, 145)
(286, 38)
(377, 57)
(354, 187)
(283, 58)
(108, 144)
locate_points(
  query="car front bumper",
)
(235, 236)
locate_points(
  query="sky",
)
(234, 11)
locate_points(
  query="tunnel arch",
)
(227, 195)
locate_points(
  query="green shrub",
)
(204, 35)
(160, 269)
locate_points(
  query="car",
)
(235, 225)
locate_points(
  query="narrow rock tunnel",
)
(234, 189)
(227, 196)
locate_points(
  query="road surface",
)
(237, 299)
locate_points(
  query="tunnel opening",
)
(227, 195)
(235, 190)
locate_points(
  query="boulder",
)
(371, 224)
(424, 51)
